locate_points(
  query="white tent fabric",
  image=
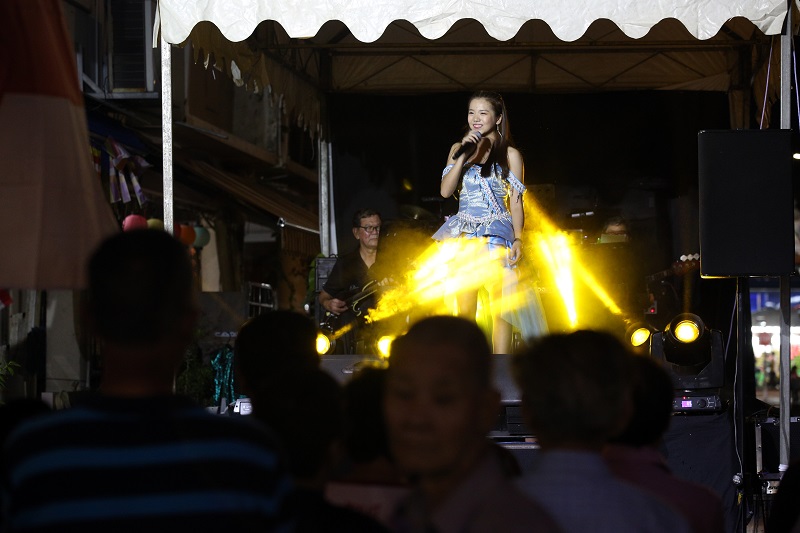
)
(53, 212)
(690, 45)
(367, 19)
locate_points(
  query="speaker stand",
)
(744, 394)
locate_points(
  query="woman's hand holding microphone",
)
(468, 143)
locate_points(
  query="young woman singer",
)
(491, 172)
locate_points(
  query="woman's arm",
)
(516, 165)
(453, 176)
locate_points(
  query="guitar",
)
(684, 265)
(355, 304)
(355, 301)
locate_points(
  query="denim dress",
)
(483, 213)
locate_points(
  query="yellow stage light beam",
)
(441, 272)
(596, 288)
(565, 267)
(336, 334)
(555, 257)
(555, 250)
(447, 268)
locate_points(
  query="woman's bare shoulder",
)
(514, 154)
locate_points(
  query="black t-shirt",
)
(348, 276)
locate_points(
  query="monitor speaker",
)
(746, 203)
(324, 265)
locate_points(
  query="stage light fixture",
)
(384, 345)
(325, 344)
(638, 334)
(687, 341)
(686, 328)
(691, 353)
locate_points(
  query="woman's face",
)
(481, 116)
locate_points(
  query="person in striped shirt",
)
(133, 456)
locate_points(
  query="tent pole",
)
(326, 213)
(324, 216)
(166, 132)
(331, 220)
(785, 290)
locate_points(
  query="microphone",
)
(467, 147)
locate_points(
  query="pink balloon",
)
(133, 222)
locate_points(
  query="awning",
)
(502, 19)
(411, 46)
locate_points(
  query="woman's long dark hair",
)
(499, 152)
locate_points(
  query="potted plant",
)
(6, 370)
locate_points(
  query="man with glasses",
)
(351, 273)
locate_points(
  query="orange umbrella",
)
(52, 208)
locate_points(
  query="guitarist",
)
(352, 270)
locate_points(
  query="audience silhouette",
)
(368, 479)
(440, 406)
(271, 345)
(366, 443)
(405, 448)
(277, 368)
(576, 395)
(13, 413)
(634, 455)
(133, 456)
(16, 411)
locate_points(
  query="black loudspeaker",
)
(324, 265)
(702, 448)
(746, 203)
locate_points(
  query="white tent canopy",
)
(367, 19)
(388, 46)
